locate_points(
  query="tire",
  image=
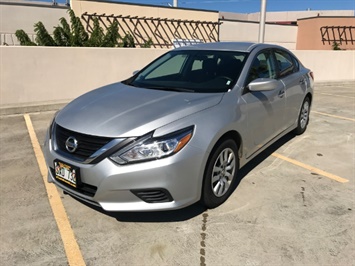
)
(220, 174)
(303, 117)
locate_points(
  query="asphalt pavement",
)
(294, 204)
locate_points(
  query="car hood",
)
(118, 110)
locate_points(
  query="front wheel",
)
(220, 174)
(303, 117)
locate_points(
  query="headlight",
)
(149, 148)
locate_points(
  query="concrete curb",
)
(31, 108)
(334, 83)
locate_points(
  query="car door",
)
(265, 109)
(295, 84)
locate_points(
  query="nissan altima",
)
(178, 131)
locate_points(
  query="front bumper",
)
(114, 187)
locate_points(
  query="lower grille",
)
(158, 195)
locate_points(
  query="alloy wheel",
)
(223, 172)
(304, 114)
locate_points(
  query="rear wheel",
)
(220, 174)
(303, 117)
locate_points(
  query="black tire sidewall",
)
(208, 198)
(299, 130)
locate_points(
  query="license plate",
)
(66, 173)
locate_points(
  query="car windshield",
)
(191, 71)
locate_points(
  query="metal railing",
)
(339, 34)
(162, 32)
(10, 39)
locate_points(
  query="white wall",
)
(295, 15)
(14, 17)
(284, 35)
(329, 65)
(40, 74)
(30, 75)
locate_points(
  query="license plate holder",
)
(67, 173)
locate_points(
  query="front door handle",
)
(281, 93)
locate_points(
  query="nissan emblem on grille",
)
(71, 144)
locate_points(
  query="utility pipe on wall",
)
(262, 21)
(175, 3)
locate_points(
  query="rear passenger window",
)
(285, 63)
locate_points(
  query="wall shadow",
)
(195, 209)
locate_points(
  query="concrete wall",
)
(284, 35)
(310, 33)
(19, 15)
(31, 75)
(295, 15)
(329, 65)
(160, 24)
(286, 16)
(82, 6)
(40, 74)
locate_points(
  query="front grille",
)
(87, 144)
(153, 195)
(83, 188)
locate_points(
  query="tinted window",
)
(195, 71)
(296, 64)
(285, 63)
(262, 67)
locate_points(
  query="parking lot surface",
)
(294, 205)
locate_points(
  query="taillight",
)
(312, 75)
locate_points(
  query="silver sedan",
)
(178, 131)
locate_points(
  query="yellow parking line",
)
(310, 168)
(71, 247)
(335, 116)
(342, 96)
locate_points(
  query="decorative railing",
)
(339, 34)
(160, 32)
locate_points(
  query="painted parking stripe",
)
(310, 168)
(71, 247)
(335, 116)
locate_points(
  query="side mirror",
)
(263, 84)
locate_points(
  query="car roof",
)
(227, 46)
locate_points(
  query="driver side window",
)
(262, 67)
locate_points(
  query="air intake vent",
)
(158, 195)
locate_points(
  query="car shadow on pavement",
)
(265, 154)
(151, 216)
(195, 209)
